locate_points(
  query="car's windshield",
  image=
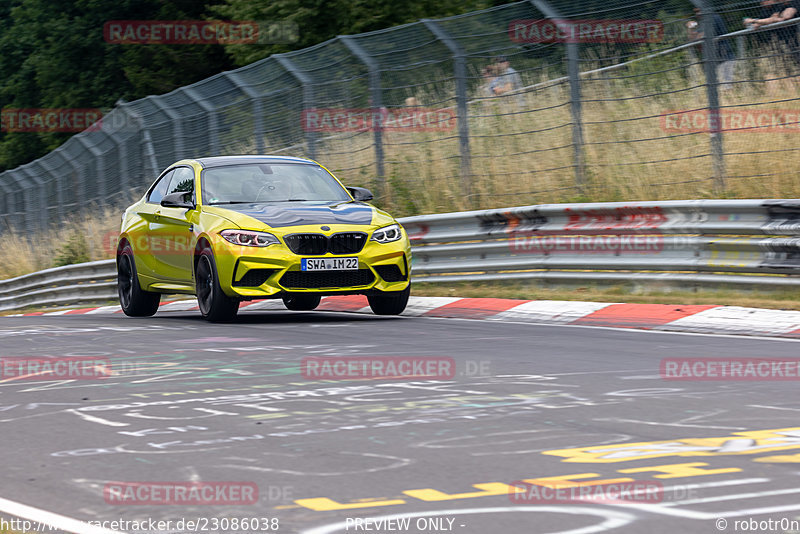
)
(273, 182)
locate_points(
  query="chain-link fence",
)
(535, 101)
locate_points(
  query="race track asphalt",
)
(194, 402)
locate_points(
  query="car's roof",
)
(218, 161)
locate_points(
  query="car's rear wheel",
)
(133, 300)
(301, 302)
(389, 302)
(215, 305)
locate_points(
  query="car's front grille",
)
(347, 242)
(308, 244)
(254, 278)
(390, 273)
(319, 244)
(326, 279)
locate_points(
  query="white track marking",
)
(54, 520)
(104, 310)
(421, 305)
(738, 319)
(735, 496)
(556, 311)
(94, 419)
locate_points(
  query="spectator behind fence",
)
(724, 49)
(489, 76)
(507, 80)
(773, 11)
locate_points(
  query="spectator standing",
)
(773, 11)
(507, 80)
(724, 49)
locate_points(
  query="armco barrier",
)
(691, 242)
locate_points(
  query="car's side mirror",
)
(360, 193)
(178, 200)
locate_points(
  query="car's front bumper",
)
(274, 271)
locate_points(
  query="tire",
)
(215, 305)
(390, 303)
(133, 300)
(301, 302)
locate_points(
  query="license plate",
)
(329, 264)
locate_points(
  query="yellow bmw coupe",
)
(235, 228)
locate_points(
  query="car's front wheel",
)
(133, 300)
(215, 305)
(301, 302)
(389, 302)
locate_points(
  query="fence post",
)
(213, 120)
(7, 201)
(148, 152)
(308, 97)
(27, 187)
(576, 111)
(58, 179)
(258, 108)
(377, 104)
(460, 72)
(707, 15)
(177, 127)
(100, 169)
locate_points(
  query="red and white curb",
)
(668, 317)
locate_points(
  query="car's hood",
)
(277, 214)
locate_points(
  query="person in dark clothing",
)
(724, 48)
(773, 11)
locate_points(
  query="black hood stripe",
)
(291, 214)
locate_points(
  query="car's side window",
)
(160, 189)
(182, 181)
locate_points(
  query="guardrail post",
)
(376, 94)
(460, 72)
(258, 108)
(707, 15)
(576, 108)
(308, 96)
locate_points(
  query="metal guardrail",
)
(83, 282)
(686, 242)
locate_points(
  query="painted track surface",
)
(228, 403)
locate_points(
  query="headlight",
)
(249, 238)
(387, 234)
